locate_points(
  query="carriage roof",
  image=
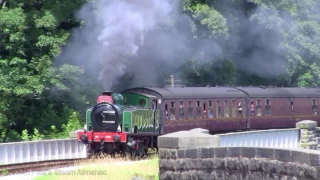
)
(228, 92)
(192, 92)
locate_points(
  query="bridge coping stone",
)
(187, 139)
(307, 124)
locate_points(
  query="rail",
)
(43, 150)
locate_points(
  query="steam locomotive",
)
(131, 121)
(112, 127)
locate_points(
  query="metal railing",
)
(58, 149)
(276, 138)
(43, 150)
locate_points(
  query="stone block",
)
(192, 153)
(207, 152)
(314, 158)
(307, 136)
(247, 152)
(181, 153)
(168, 153)
(187, 139)
(233, 151)
(307, 132)
(307, 124)
(282, 155)
(206, 131)
(220, 152)
(308, 144)
(265, 153)
(300, 156)
(304, 141)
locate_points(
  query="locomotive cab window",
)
(181, 111)
(142, 102)
(314, 107)
(172, 112)
(268, 108)
(154, 105)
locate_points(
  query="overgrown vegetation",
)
(261, 42)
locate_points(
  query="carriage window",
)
(243, 112)
(181, 111)
(218, 109)
(204, 109)
(314, 107)
(226, 109)
(258, 108)
(198, 110)
(190, 110)
(234, 108)
(268, 108)
(166, 111)
(172, 112)
(210, 110)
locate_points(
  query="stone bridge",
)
(198, 155)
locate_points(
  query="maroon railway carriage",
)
(233, 108)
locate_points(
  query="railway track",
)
(54, 164)
(37, 166)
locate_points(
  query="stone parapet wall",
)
(197, 155)
(238, 163)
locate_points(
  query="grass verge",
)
(110, 170)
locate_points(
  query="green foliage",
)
(73, 124)
(33, 94)
(36, 135)
(25, 135)
(204, 15)
(219, 72)
(39, 100)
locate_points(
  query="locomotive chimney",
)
(172, 81)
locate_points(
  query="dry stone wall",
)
(186, 155)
